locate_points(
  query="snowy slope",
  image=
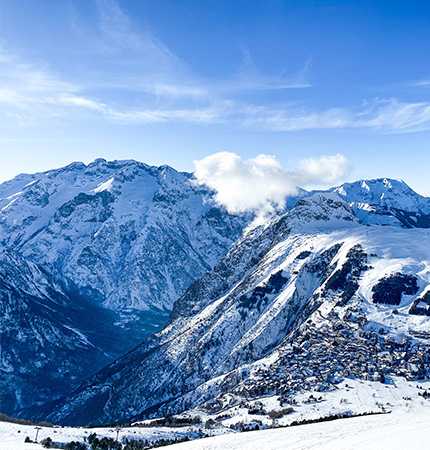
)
(384, 191)
(49, 340)
(120, 241)
(290, 308)
(394, 432)
(12, 436)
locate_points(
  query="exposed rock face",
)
(50, 340)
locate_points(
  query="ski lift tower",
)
(37, 432)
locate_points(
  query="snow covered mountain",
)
(310, 299)
(94, 257)
(117, 231)
(386, 202)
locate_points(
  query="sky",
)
(176, 81)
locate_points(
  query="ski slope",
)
(382, 432)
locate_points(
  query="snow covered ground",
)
(12, 436)
(406, 426)
(393, 431)
(399, 431)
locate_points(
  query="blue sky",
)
(172, 81)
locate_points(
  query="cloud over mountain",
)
(261, 184)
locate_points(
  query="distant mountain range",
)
(95, 256)
(386, 202)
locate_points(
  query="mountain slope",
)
(244, 329)
(49, 341)
(113, 244)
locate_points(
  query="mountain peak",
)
(383, 196)
(374, 188)
(76, 165)
(322, 210)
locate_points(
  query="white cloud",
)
(395, 116)
(261, 184)
(420, 83)
(80, 101)
(326, 169)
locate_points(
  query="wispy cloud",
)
(394, 116)
(31, 90)
(165, 74)
(214, 113)
(79, 101)
(249, 77)
(26, 88)
(23, 119)
(164, 89)
(154, 68)
(30, 78)
(386, 115)
(209, 115)
(293, 119)
(167, 91)
(420, 83)
(124, 33)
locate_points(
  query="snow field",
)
(12, 436)
(380, 432)
(395, 431)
